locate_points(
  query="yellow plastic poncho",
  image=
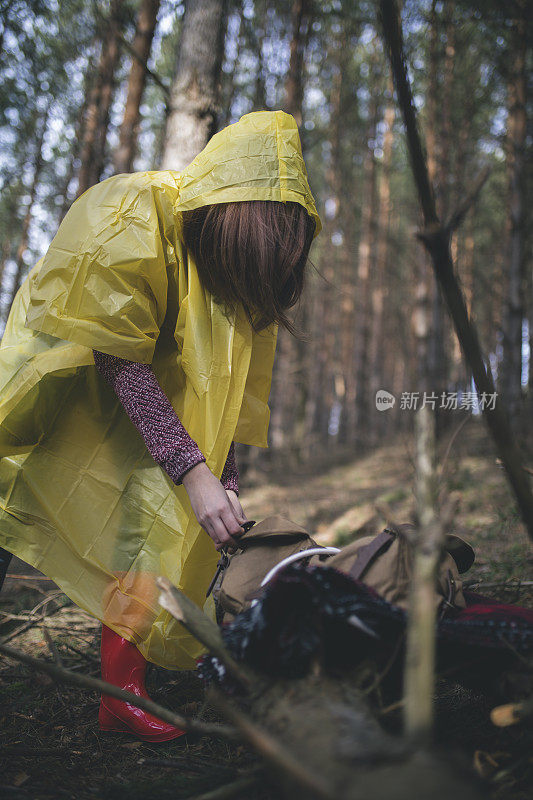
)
(80, 497)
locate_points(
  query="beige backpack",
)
(383, 561)
(261, 549)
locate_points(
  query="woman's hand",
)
(219, 514)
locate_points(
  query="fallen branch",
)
(35, 620)
(73, 679)
(52, 646)
(201, 627)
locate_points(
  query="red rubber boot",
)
(124, 666)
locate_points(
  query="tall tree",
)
(287, 361)
(379, 295)
(96, 123)
(38, 161)
(300, 22)
(194, 112)
(516, 142)
(142, 45)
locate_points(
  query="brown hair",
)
(252, 252)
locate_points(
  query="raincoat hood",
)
(257, 158)
(81, 499)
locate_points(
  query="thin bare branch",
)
(201, 627)
(457, 217)
(73, 679)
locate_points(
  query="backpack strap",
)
(368, 552)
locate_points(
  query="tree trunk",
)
(76, 146)
(260, 102)
(300, 21)
(142, 45)
(228, 84)
(194, 111)
(96, 121)
(360, 413)
(514, 312)
(109, 64)
(24, 235)
(377, 336)
(286, 389)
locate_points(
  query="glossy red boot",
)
(124, 666)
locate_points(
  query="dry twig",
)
(201, 627)
(67, 676)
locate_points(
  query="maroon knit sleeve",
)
(151, 412)
(230, 473)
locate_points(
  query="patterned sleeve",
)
(230, 473)
(151, 412)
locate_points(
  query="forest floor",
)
(50, 743)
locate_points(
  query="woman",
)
(159, 296)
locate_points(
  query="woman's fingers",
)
(230, 520)
(220, 535)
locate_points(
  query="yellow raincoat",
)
(80, 497)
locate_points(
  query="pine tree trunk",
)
(514, 312)
(229, 86)
(300, 21)
(377, 338)
(109, 64)
(194, 110)
(260, 102)
(286, 389)
(142, 45)
(437, 352)
(96, 120)
(76, 145)
(24, 235)
(359, 426)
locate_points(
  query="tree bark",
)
(377, 335)
(437, 352)
(358, 423)
(286, 388)
(142, 45)
(96, 121)
(194, 110)
(514, 312)
(108, 66)
(24, 235)
(300, 22)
